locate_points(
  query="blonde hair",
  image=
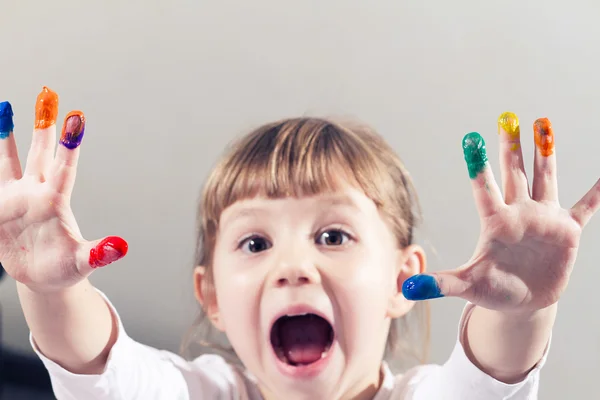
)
(303, 157)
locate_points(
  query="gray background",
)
(166, 85)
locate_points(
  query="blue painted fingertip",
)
(6, 119)
(421, 287)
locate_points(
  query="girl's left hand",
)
(528, 242)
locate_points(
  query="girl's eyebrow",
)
(322, 201)
(340, 200)
(245, 212)
(253, 211)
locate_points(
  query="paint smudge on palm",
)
(509, 123)
(6, 120)
(475, 153)
(73, 130)
(46, 109)
(544, 136)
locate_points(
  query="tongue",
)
(304, 338)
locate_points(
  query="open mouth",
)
(301, 340)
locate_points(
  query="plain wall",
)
(166, 85)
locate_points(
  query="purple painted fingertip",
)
(73, 130)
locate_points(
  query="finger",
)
(67, 154)
(435, 285)
(512, 169)
(10, 167)
(43, 143)
(585, 208)
(485, 189)
(100, 253)
(545, 187)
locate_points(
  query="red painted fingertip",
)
(109, 250)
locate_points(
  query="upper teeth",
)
(296, 315)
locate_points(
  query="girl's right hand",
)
(40, 243)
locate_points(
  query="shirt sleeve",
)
(460, 379)
(138, 372)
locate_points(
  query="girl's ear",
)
(205, 294)
(411, 261)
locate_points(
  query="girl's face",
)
(306, 289)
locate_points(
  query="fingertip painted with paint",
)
(421, 287)
(6, 119)
(73, 130)
(509, 122)
(109, 250)
(544, 136)
(46, 108)
(475, 153)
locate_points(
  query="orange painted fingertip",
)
(544, 136)
(46, 108)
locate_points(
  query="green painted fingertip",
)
(475, 154)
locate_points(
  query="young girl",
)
(306, 262)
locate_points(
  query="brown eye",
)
(255, 244)
(333, 237)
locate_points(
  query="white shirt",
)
(137, 372)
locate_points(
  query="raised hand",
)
(528, 243)
(40, 243)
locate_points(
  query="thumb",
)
(102, 252)
(434, 285)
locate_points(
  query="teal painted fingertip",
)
(475, 154)
(421, 287)
(6, 120)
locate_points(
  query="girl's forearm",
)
(507, 346)
(74, 327)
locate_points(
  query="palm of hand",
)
(39, 236)
(524, 258)
(528, 243)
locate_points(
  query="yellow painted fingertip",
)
(509, 122)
